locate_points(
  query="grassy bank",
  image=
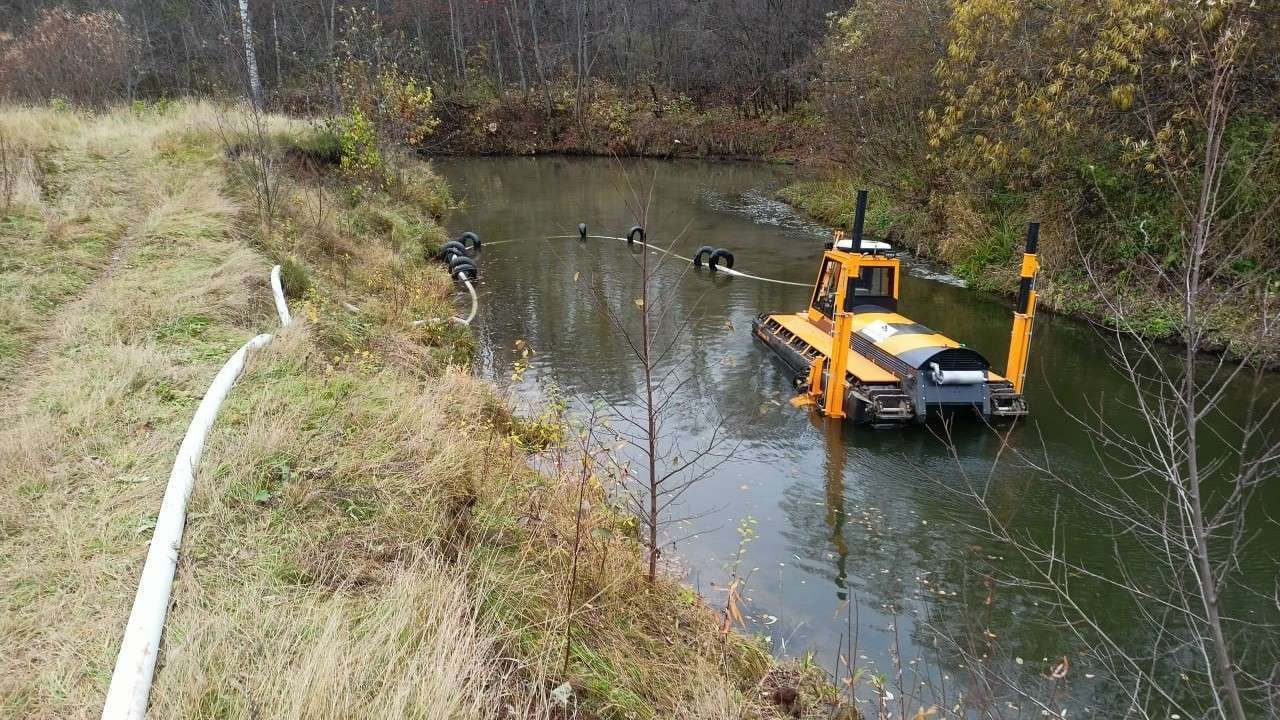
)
(366, 538)
(982, 241)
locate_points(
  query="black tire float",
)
(631, 234)
(719, 255)
(452, 249)
(582, 231)
(469, 237)
(459, 260)
(703, 251)
(464, 270)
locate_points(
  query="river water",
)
(853, 528)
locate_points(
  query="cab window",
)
(874, 285)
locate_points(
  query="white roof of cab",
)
(873, 245)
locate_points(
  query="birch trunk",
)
(250, 59)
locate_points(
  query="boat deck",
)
(858, 366)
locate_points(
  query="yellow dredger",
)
(894, 370)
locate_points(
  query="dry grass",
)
(366, 539)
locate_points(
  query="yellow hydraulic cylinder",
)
(833, 404)
(1025, 314)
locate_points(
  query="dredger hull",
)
(893, 368)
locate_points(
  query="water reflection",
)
(836, 514)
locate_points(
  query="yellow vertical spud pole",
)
(833, 406)
(1024, 315)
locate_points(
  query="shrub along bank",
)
(651, 123)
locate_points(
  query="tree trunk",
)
(275, 36)
(537, 59)
(651, 413)
(250, 58)
(512, 12)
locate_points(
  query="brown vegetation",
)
(80, 57)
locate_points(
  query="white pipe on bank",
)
(277, 290)
(136, 664)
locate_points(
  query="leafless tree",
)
(244, 136)
(651, 327)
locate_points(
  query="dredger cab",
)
(894, 369)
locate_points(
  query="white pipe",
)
(475, 301)
(277, 290)
(475, 308)
(136, 664)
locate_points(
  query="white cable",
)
(136, 664)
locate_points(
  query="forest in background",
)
(968, 117)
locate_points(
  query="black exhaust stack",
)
(859, 219)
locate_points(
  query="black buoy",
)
(718, 255)
(703, 251)
(451, 249)
(582, 231)
(631, 234)
(471, 237)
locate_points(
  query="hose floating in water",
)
(463, 269)
(130, 687)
